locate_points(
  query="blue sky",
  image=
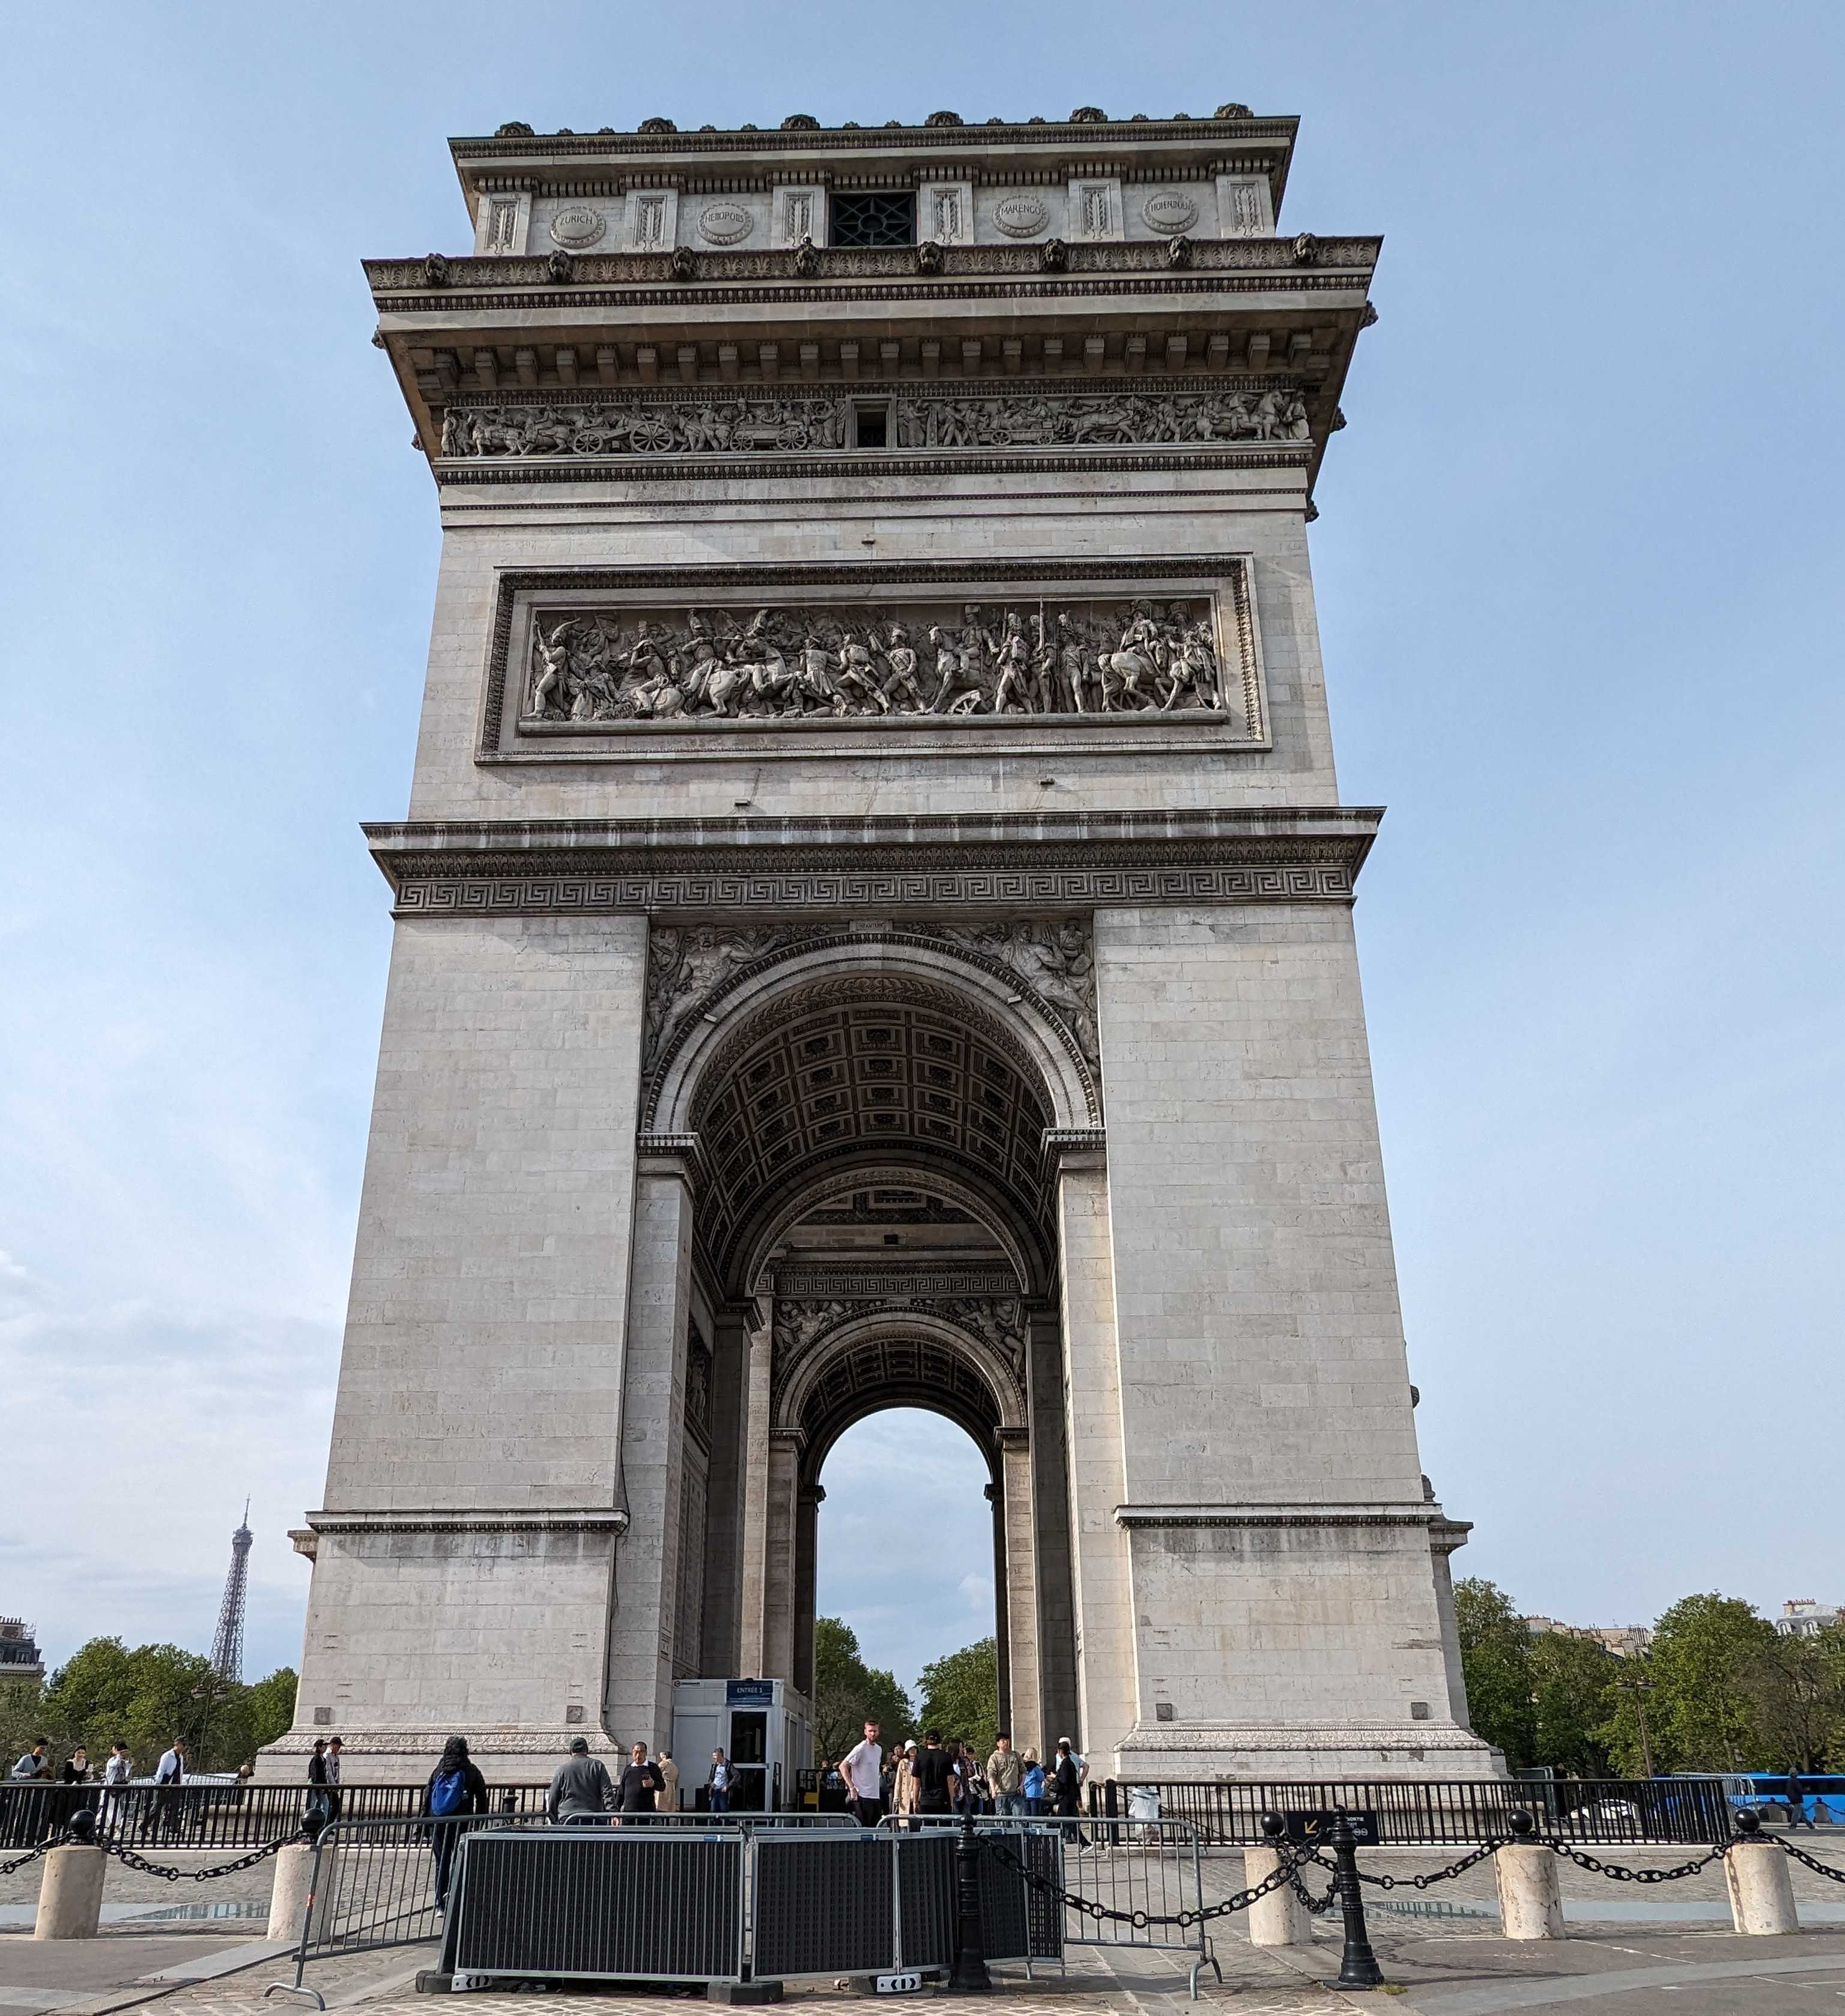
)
(1579, 571)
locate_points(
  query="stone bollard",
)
(289, 1892)
(1530, 1885)
(1280, 1919)
(70, 1894)
(1760, 1883)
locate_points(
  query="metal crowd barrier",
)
(684, 1898)
(1151, 1866)
(678, 1897)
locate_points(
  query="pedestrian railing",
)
(214, 1816)
(1419, 1813)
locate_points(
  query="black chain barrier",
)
(1140, 1920)
(1800, 1855)
(129, 1859)
(1319, 1906)
(1616, 1873)
(1424, 1882)
(30, 1855)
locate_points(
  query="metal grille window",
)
(879, 218)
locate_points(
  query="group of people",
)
(946, 1781)
(118, 1802)
(791, 663)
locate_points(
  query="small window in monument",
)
(874, 426)
(322, 1716)
(874, 217)
(1418, 1711)
(573, 1712)
(1163, 1710)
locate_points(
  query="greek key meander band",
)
(549, 894)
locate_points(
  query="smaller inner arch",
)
(897, 1365)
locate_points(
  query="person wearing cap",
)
(580, 1791)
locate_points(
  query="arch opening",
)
(892, 1475)
(873, 1213)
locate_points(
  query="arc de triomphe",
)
(873, 928)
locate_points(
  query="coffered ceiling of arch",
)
(888, 1066)
(896, 1369)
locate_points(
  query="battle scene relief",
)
(816, 663)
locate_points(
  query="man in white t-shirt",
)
(862, 1767)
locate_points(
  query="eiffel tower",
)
(227, 1642)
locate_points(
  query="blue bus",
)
(1765, 1792)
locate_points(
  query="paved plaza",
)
(1439, 1948)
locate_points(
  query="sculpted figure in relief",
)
(813, 663)
(768, 425)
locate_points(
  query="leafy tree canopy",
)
(960, 1695)
(847, 1693)
(146, 1695)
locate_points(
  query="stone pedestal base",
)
(1761, 1889)
(70, 1894)
(1531, 1893)
(289, 1891)
(1280, 1919)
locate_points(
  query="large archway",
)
(871, 1228)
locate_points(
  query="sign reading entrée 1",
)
(1311, 1828)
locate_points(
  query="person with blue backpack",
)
(456, 1789)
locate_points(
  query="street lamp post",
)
(1640, 1689)
(208, 1694)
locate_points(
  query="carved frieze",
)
(774, 424)
(998, 1321)
(822, 663)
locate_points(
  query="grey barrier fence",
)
(378, 1883)
(757, 1899)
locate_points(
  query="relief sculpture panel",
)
(820, 664)
(773, 424)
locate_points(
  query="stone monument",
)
(873, 928)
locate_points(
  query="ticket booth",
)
(760, 1726)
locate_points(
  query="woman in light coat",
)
(903, 1788)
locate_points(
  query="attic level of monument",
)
(983, 297)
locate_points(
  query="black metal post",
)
(970, 1976)
(1358, 1966)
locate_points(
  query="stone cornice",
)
(1118, 140)
(602, 1520)
(846, 272)
(1277, 1515)
(751, 866)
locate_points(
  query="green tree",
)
(1573, 1680)
(1497, 1660)
(960, 1695)
(272, 1706)
(1796, 1689)
(1699, 1713)
(847, 1693)
(147, 1695)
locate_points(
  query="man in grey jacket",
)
(581, 1792)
